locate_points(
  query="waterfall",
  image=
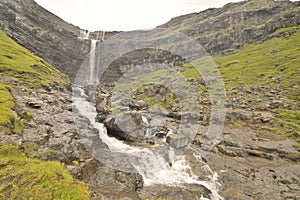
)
(154, 167)
(93, 70)
(92, 65)
(102, 38)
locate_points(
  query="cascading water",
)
(92, 57)
(154, 167)
(103, 34)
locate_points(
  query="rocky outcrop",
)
(263, 167)
(45, 34)
(50, 133)
(224, 30)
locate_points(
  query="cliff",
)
(227, 29)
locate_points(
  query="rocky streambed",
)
(247, 163)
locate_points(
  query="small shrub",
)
(18, 125)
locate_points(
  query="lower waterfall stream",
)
(152, 166)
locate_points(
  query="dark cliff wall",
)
(45, 34)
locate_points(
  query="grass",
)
(18, 125)
(277, 58)
(28, 115)
(26, 178)
(22, 177)
(7, 116)
(167, 101)
(21, 67)
(292, 116)
(287, 123)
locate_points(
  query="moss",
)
(27, 115)
(282, 127)
(23, 68)
(292, 116)
(297, 147)
(7, 116)
(25, 178)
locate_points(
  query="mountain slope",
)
(22, 67)
(21, 74)
(44, 34)
(224, 30)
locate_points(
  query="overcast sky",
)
(124, 15)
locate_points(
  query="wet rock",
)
(123, 128)
(101, 102)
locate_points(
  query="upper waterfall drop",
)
(92, 65)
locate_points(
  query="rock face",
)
(263, 167)
(220, 31)
(45, 34)
(224, 30)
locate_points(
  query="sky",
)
(124, 15)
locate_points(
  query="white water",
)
(92, 64)
(92, 55)
(102, 38)
(152, 166)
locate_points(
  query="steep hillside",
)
(224, 30)
(221, 30)
(265, 76)
(20, 68)
(45, 34)
(21, 75)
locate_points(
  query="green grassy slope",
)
(276, 58)
(26, 178)
(20, 68)
(24, 68)
(274, 63)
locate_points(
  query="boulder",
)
(34, 103)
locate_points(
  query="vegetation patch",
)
(275, 62)
(22, 68)
(7, 117)
(25, 178)
(267, 63)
